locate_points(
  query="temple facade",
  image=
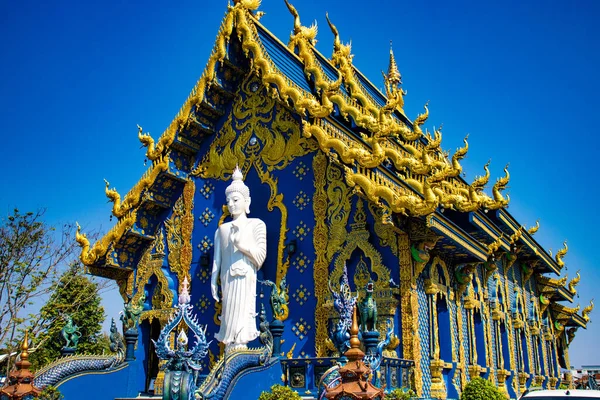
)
(351, 189)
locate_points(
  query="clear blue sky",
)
(520, 77)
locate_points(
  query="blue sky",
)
(519, 77)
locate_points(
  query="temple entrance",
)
(151, 356)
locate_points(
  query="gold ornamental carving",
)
(321, 265)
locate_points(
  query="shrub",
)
(50, 393)
(481, 389)
(279, 392)
(400, 394)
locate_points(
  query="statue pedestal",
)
(67, 351)
(131, 336)
(370, 339)
(276, 328)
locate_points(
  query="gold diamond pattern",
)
(207, 189)
(301, 262)
(301, 231)
(204, 275)
(301, 170)
(301, 201)
(301, 328)
(206, 217)
(301, 295)
(205, 244)
(203, 304)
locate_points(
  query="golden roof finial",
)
(587, 310)
(560, 254)
(393, 75)
(574, 282)
(535, 228)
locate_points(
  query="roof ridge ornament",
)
(535, 228)
(560, 254)
(309, 33)
(392, 81)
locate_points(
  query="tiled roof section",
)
(280, 55)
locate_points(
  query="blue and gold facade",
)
(342, 177)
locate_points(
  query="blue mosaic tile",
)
(424, 336)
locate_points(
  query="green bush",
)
(50, 393)
(400, 394)
(279, 392)
(481, 389)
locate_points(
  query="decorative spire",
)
(393, 75)
(184, 292)
(20, 380)
(355, 374)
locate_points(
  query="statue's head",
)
(237, 194)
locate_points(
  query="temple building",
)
(355, 195)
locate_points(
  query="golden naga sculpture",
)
(309, 33)
(560, 254)
(535, 228)
(498, 201)
(587, 310)
(562, 281)
(514, 238)
(248, 4)
(90, 256)
(403, 204)
(494, 247)
(574, 283)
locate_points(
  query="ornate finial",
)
(20, 380)
(354, 353)
(184, 293)
(25, 347)
(309, 33)
(574, 283)
(393, 75)
(587, 310)
(535, 228)
(560, 254)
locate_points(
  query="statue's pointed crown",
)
(237, 184)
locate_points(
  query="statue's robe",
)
(238, 279)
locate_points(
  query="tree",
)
(78, 297)
(279, 392)
(32, 256)
(30, 253)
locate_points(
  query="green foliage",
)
(31, 253)
(78, 297)
(50, 393)
(400, 394)
(279, 392)
(481, 389)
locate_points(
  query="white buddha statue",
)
(240, 250)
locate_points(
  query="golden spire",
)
(393, 75)
(20, 380)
